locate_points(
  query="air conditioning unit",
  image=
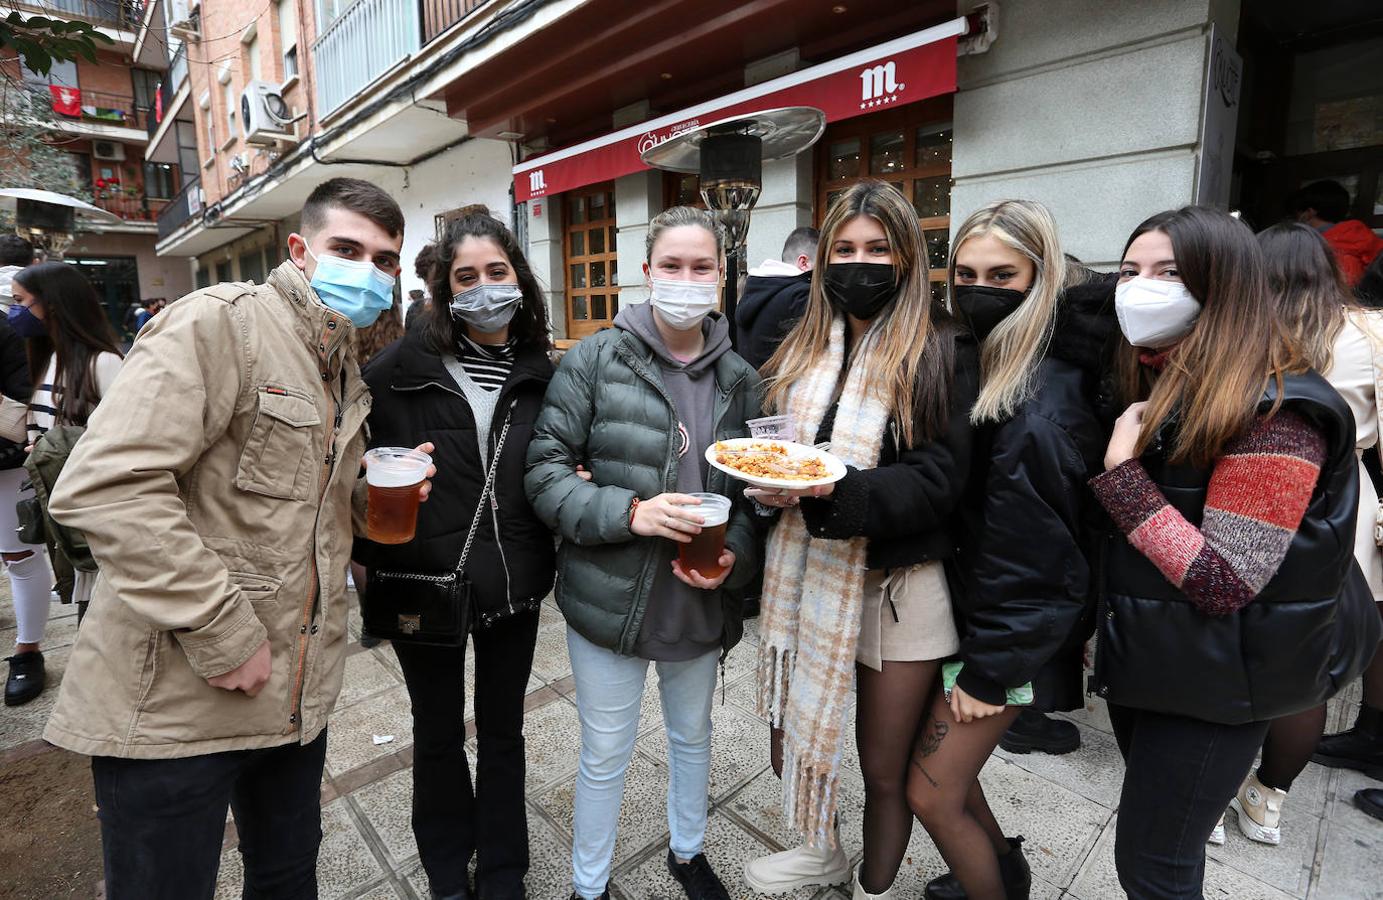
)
(184, 20)
(264, 117)
(112, 150)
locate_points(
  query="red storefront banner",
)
(904, 70)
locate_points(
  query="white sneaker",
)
(1217, 837)
(861, 894)
(782, 873)
(1259, 810)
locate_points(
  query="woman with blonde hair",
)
(1046, 329)
(854, 587)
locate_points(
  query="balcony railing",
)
(131, 209)
(122, 14)
(439, 15)
(185, 205)
(168, 88)
(369, 38)
(93, 106)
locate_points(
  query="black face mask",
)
(982, 308)
(860, 289)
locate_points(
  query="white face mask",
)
(683, 304)
(1154, 314)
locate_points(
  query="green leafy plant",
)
(41, 41)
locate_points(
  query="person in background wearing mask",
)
(636, 406)
(775, 296)
(1229, 593)
(1324, 205)
(472, 373)
(231, 441)
(854, 589)
(15, 254)
(31, 579)
(1043, 334)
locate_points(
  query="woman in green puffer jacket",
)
(636, 407)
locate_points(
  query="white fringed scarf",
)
(812, 595)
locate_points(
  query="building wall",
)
(1033, 118)
(159, 276)
(474, 172)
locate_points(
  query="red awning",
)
(903, 70)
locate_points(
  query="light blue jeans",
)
(609, 689)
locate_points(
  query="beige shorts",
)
(924, 627)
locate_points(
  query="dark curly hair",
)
(529, 326)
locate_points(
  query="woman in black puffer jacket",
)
(1022, 579)
(477, 365)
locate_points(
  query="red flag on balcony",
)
(67, 101)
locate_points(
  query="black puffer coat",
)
(771, 305)
(906, 505)
(14, 383)
(1309, 632)
(512, 564)
(1023, 590)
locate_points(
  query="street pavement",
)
(1065, 806)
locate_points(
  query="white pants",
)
(31, 579)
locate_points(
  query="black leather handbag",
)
(428, 608)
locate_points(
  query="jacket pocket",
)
(256, 588)
(277, 458)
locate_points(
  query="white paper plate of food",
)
(767, 463)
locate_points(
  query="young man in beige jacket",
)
(218, 486)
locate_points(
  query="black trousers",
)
(452, 820)
(163, 821)
(1180, 775)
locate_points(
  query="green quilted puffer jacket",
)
(607, 410)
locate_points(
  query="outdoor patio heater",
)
(729, 156)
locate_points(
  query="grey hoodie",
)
(681, 622)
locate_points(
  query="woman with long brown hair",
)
(854, 579)
(1229, 595)
(73, 359)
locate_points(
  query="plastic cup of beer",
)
(395, 477)
(702, 555)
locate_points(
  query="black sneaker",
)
(605, 895)
(1370, 800)
(1361, 747)
(1013, 868)
(1033, 731)
(697, 878)
(27, 677)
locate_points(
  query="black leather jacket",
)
(1307, 634)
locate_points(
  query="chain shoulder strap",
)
(485, 491)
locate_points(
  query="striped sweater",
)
(1258, 493)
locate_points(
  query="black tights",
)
(944, 791)
(1292, 739)
(889, 712)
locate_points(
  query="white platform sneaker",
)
(861, 894)
(1259, 810)
(1217, 837)
(782, 873)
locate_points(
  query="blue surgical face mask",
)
(25, 323)
(356, 289)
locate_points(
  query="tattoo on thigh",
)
(929, 742)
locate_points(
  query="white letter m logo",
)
(536, 184)
(878, 80)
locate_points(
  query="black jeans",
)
(1180, 775)
(163, 821)
(451, 820)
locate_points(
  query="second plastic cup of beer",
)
(703, 553)
(395, 477)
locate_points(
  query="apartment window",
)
(589, 250)
(910, 148)
(232, 109)
(252, 51)
(160, 180)
(223, 272)
(146, 83)
(208, 122)
(328, 11)
(62, 73)
(252, 266)
(288, 37)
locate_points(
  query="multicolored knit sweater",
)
(1258, 493)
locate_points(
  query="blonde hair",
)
(909, 364)
(1010, 353)
(677, 217)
